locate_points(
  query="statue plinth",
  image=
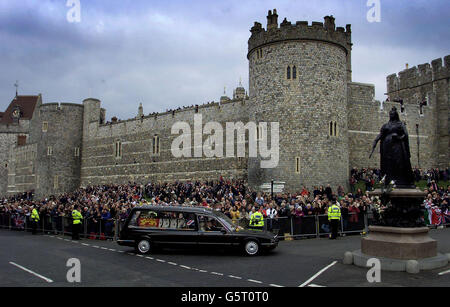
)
(399, 243)
(395, 245)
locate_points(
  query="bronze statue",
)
(394, 152)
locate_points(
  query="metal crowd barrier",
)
(287, 228)
(62, 225)
(314, 226)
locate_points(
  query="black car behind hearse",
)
(150, 227)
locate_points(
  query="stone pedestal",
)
(399, 243)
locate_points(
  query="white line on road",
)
(317, 274)
(172, 263)
(151, 258)
(160, 260)
(275, 285)
(31, 272)
(255, 281)
(316, 286)
(84, 244)
(215, 273)
(445, 272)
(185, 267)
(235, 277)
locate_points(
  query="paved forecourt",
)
(27, 260)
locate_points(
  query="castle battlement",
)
(420, 75)
(56, 106)
(319, 31)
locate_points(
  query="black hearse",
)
(148, 227)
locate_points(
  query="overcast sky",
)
(170, 53)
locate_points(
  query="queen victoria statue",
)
(395, 156)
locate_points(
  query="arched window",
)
(294, 72)
(288, 72)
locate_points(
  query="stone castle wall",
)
(412, 86)
(138, 163)
(8, 140)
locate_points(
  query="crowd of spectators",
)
(102, 206)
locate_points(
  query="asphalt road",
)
(27, 260)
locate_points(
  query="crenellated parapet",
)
(420, 75)
(318, 31)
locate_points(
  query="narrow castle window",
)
(44, 126)
(55, 182)
(118, 150)
(294, 72)
(288, 73)
(77, 151)
(333, 128)
(297, 165)
(156, 144)
(49, 151)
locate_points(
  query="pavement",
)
(41, 260)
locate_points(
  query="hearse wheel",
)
(143, 246)
(251, 248)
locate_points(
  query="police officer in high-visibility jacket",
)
(334, 217)
(256, 220)
(76, 227)
(34, 220)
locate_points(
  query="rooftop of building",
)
(24, 103)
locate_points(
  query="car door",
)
(212, 233)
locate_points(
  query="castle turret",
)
(298, 77)
(272, 20)
(140, 111)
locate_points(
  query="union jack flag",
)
(190, 223)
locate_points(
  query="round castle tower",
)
(58, 132)
(298, 77)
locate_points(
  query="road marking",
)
(199, 270)
(317, 274)
(185, 267)
(31, 272)
(275, 285)
(316, 286)
(255, 281)
(445, 272)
